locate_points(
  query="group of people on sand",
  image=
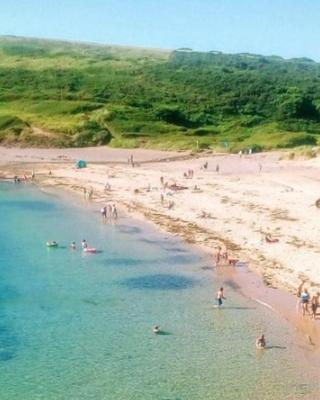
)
(189, 174)
(221, 255)
(305, 299)
(132, 162)
(109, 211)
(17, 179)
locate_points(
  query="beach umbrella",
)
(81, 164)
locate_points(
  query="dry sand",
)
(248, 198)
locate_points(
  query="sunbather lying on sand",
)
(269, 239)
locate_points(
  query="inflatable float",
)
(90, 250)
(269, 239)
(52, 243)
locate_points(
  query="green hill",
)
(73, 94)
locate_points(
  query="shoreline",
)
(242, 279)
(252, 280)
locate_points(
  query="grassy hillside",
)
(72, 94)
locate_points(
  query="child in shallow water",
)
(220, 296)
(261, 342)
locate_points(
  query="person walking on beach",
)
(103, 212)
(90, 194)
(220, 297)
(299, 290)
(305, 297)
(314, 304)
(162, 198)
(107, 187)
(114, 212)
(109, 211)
(218, 256)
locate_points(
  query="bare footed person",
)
(220, 297)
(218, 256)
(224, 254)
(114, 212)
(299, 290)
(103, 212)
(90, 193)
(315, 304)
(305, 297)
(261, 342)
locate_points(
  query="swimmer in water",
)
(261, 342)
(156, 329)
(73, 245)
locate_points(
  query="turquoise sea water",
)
(79, 327)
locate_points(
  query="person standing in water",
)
(114, 212)
(103, 212)
(220, 296)
(261, 342)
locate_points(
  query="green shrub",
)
(250, 121)
(256, 148)
(11, 122)
(87, 107)
(298, 140)
(205, 131)
(90, 138)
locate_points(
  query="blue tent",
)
(81, 164)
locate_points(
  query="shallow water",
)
(79, 327)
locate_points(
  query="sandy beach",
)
(234, 203)
(235, 207)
